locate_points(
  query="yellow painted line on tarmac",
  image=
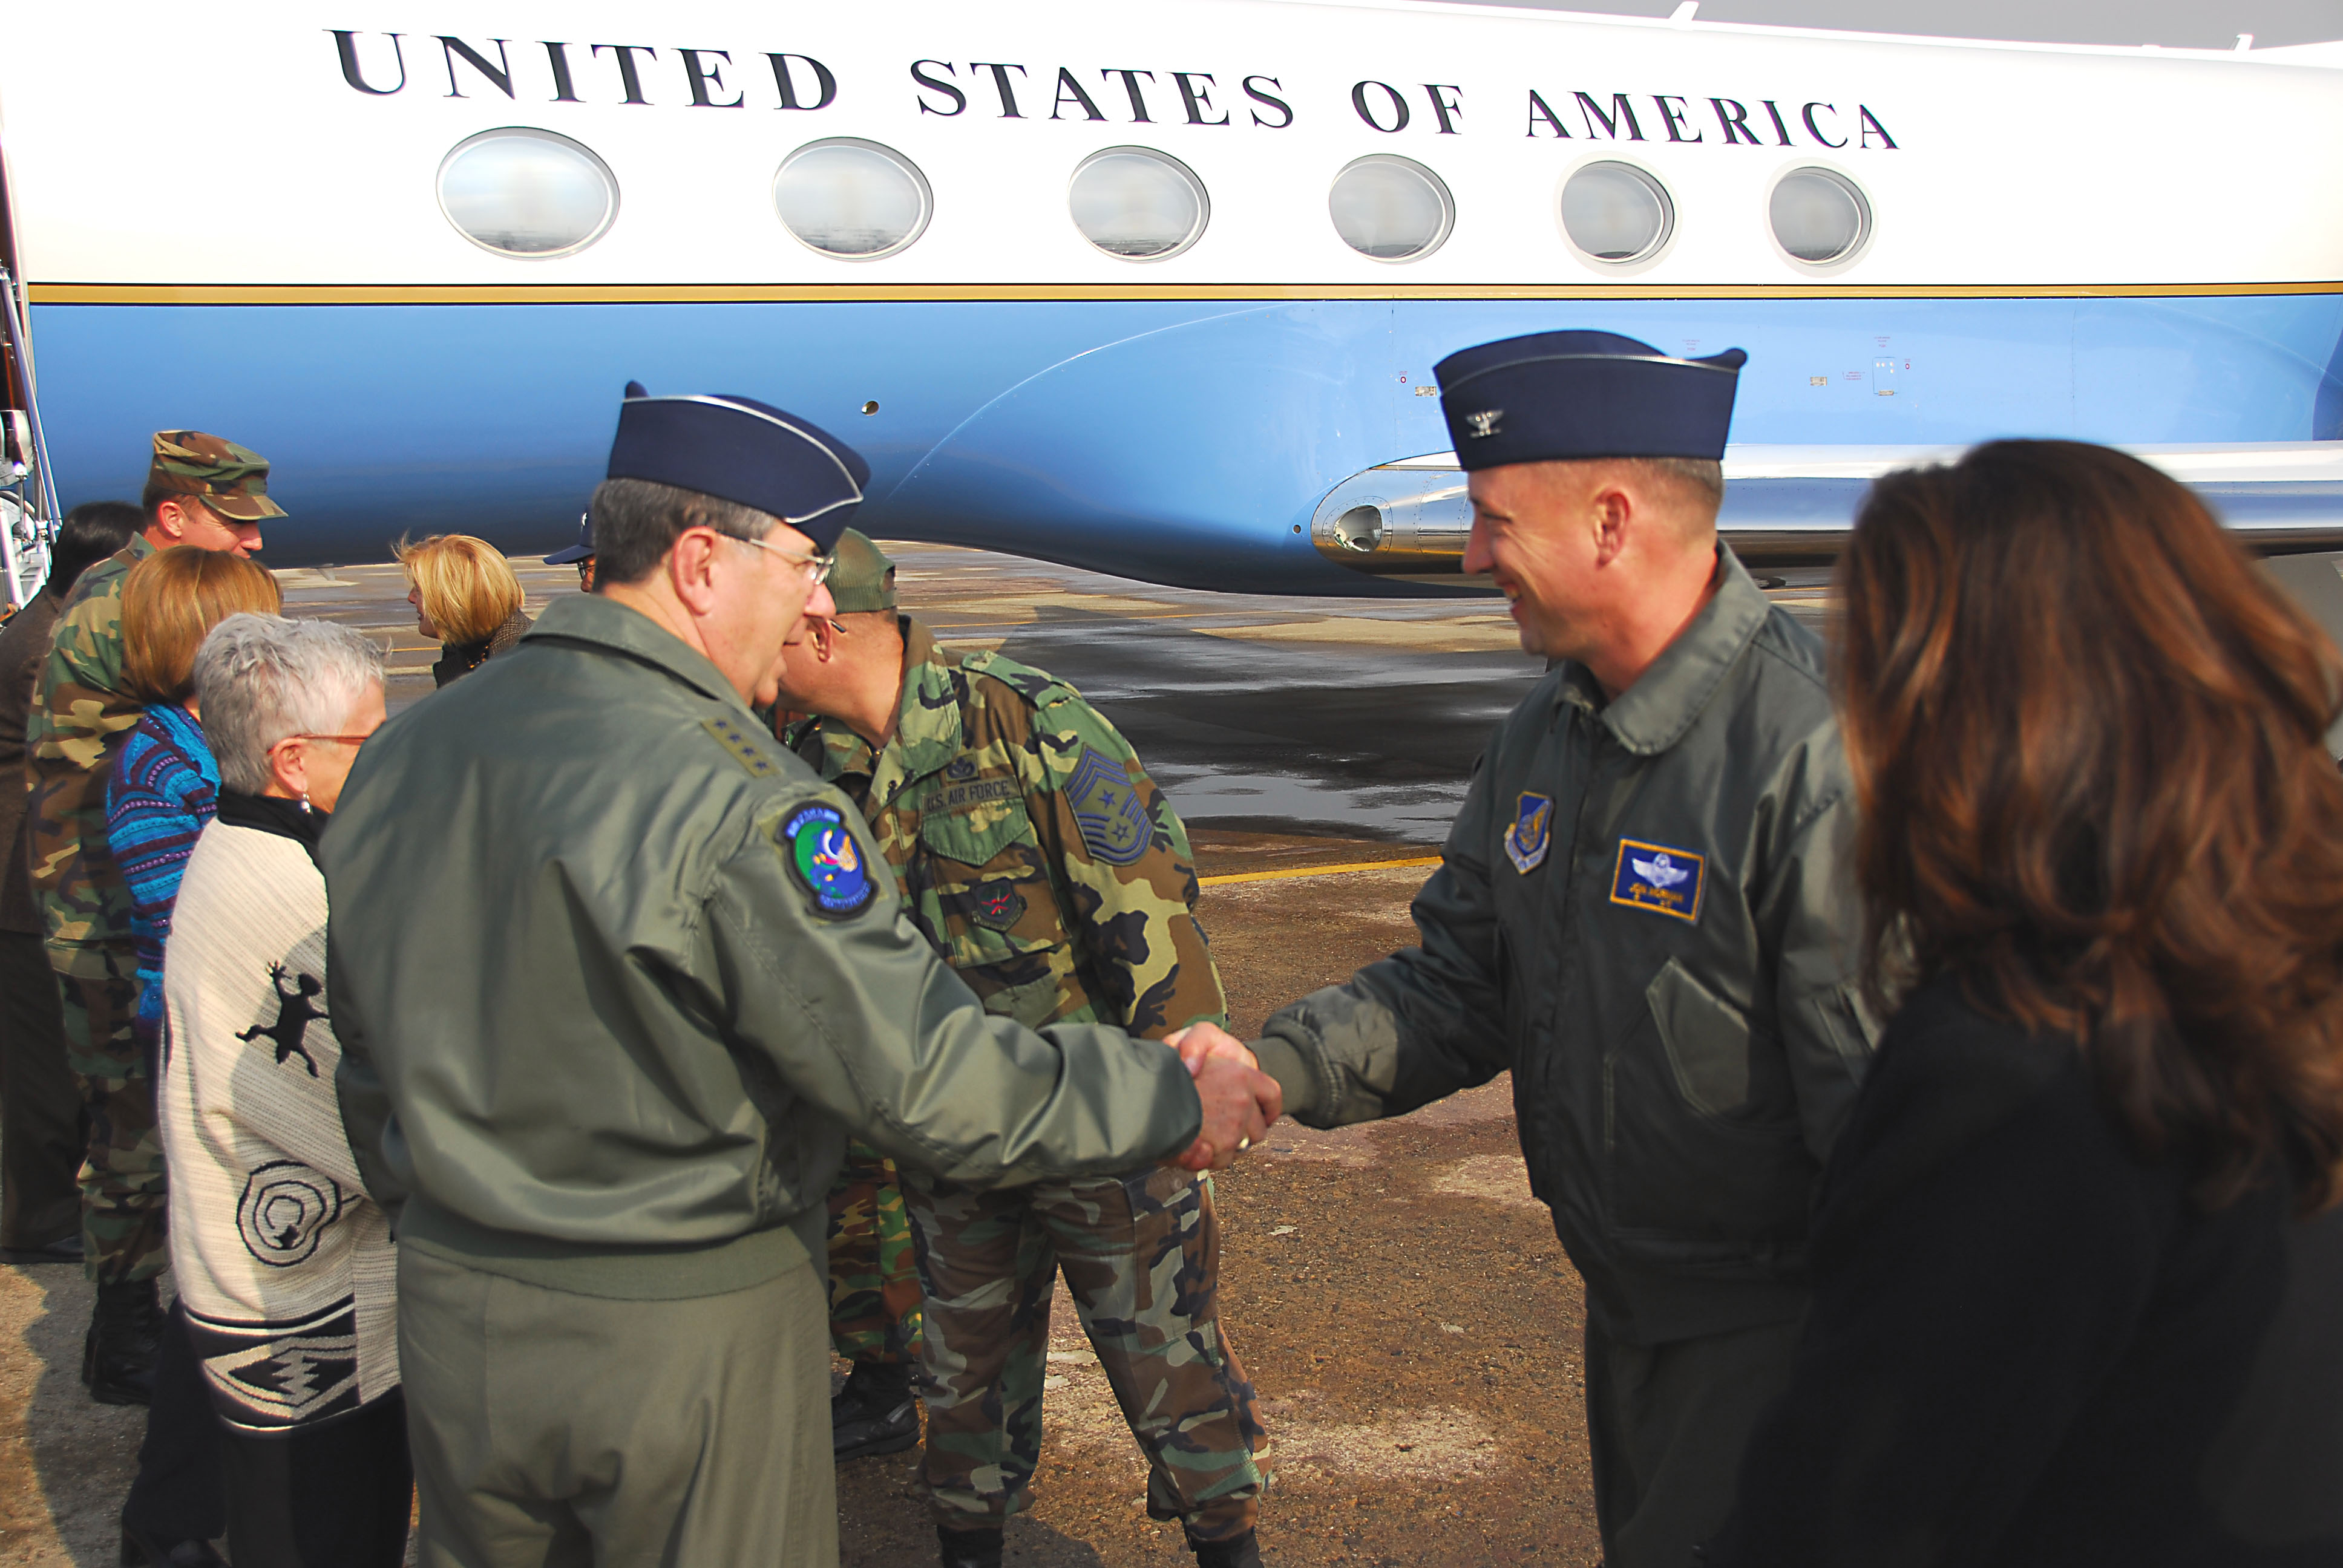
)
(1315, 871)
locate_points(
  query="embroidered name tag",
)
(968, 797)
(1531, 830)
(1655, 877)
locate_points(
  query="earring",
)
(305, 803)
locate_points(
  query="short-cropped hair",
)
(637, 521)
(1704, 476)
(466, 586)
(262, 678)
(170, 600)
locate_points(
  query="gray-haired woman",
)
(285, 1264)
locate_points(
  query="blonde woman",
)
(465, 595)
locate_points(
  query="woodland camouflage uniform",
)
(1034, 852)
(80, 720)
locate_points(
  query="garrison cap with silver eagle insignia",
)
(232, 480)
(1569, 396)
(743, 451)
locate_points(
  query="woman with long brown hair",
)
(2078, 1275)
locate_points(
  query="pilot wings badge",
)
(1526, 839)
(1655, 877)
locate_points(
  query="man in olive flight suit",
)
(615, 982)
(1035, 853)
(1643, 911)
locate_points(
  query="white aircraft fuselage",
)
(1152, 290)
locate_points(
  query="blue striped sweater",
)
(164, 789)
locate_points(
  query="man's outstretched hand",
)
(1240, 1101)
(1200, 1043)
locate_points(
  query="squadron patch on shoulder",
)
(1106, 809)
(1531, 833)
(744, 750)
(1655, 877)
(825, 860)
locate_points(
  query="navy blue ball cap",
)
(582, 550)
(1570, 396)
(740, 450)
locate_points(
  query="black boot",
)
(875, 1412)
(1243, 1552)
(969, 1547)
(117, 1354)
(140, 1550)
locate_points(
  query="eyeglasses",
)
(817, 566)
(343, 740)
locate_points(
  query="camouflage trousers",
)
(1142, 1260)
(874, 1281)
(125, 1212)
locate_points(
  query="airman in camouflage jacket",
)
(80, 718)
(1036, 854)
(1030, 846)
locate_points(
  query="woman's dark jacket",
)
(2029, 1347)
(460, 658)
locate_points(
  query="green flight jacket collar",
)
(1651, 716)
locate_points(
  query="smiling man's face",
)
(1536, 531)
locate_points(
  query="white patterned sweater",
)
(286, 1267)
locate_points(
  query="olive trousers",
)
(552, 1430)
(1667, 1423)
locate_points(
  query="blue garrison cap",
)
(740, 450)
(1565, 396)
(580, 551)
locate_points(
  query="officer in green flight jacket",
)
(1643, 911)
(615, 977)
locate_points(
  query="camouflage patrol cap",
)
(233, 480)
(864, 578)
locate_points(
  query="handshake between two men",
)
(1240, 1101)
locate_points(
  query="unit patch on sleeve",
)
(826, 862)
(1531, 830)
(1655, 877)
(1107, 809)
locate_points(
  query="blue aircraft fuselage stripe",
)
(1183, 440)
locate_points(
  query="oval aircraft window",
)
(527, 193)
(1818, 216)
(1137, 204)
(1391, 208)
(1616, 212)
(852, 199)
